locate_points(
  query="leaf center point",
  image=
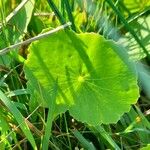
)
(81, 79)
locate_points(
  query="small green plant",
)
(93, 90)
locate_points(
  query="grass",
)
(23, 126)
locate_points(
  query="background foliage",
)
(24, 124)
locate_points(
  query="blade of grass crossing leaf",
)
(63, 8)
(19, 118)
(45, 141)
(56, 11)
(86, 144)
(69, 12)
(134, 17)
(129, 28)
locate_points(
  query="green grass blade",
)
(86, 144)
(134, 17)
(144, 119)
(131, 30)
(17, 92)
(19, 118)
(56, 11)
(45, 141)
(69, 12)
(104, 135)
(139, 125)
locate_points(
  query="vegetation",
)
(74, 74)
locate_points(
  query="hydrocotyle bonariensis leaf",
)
(96, 80)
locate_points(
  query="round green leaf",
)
(96, 81)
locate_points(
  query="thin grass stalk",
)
(56, 11)
(69, 12)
